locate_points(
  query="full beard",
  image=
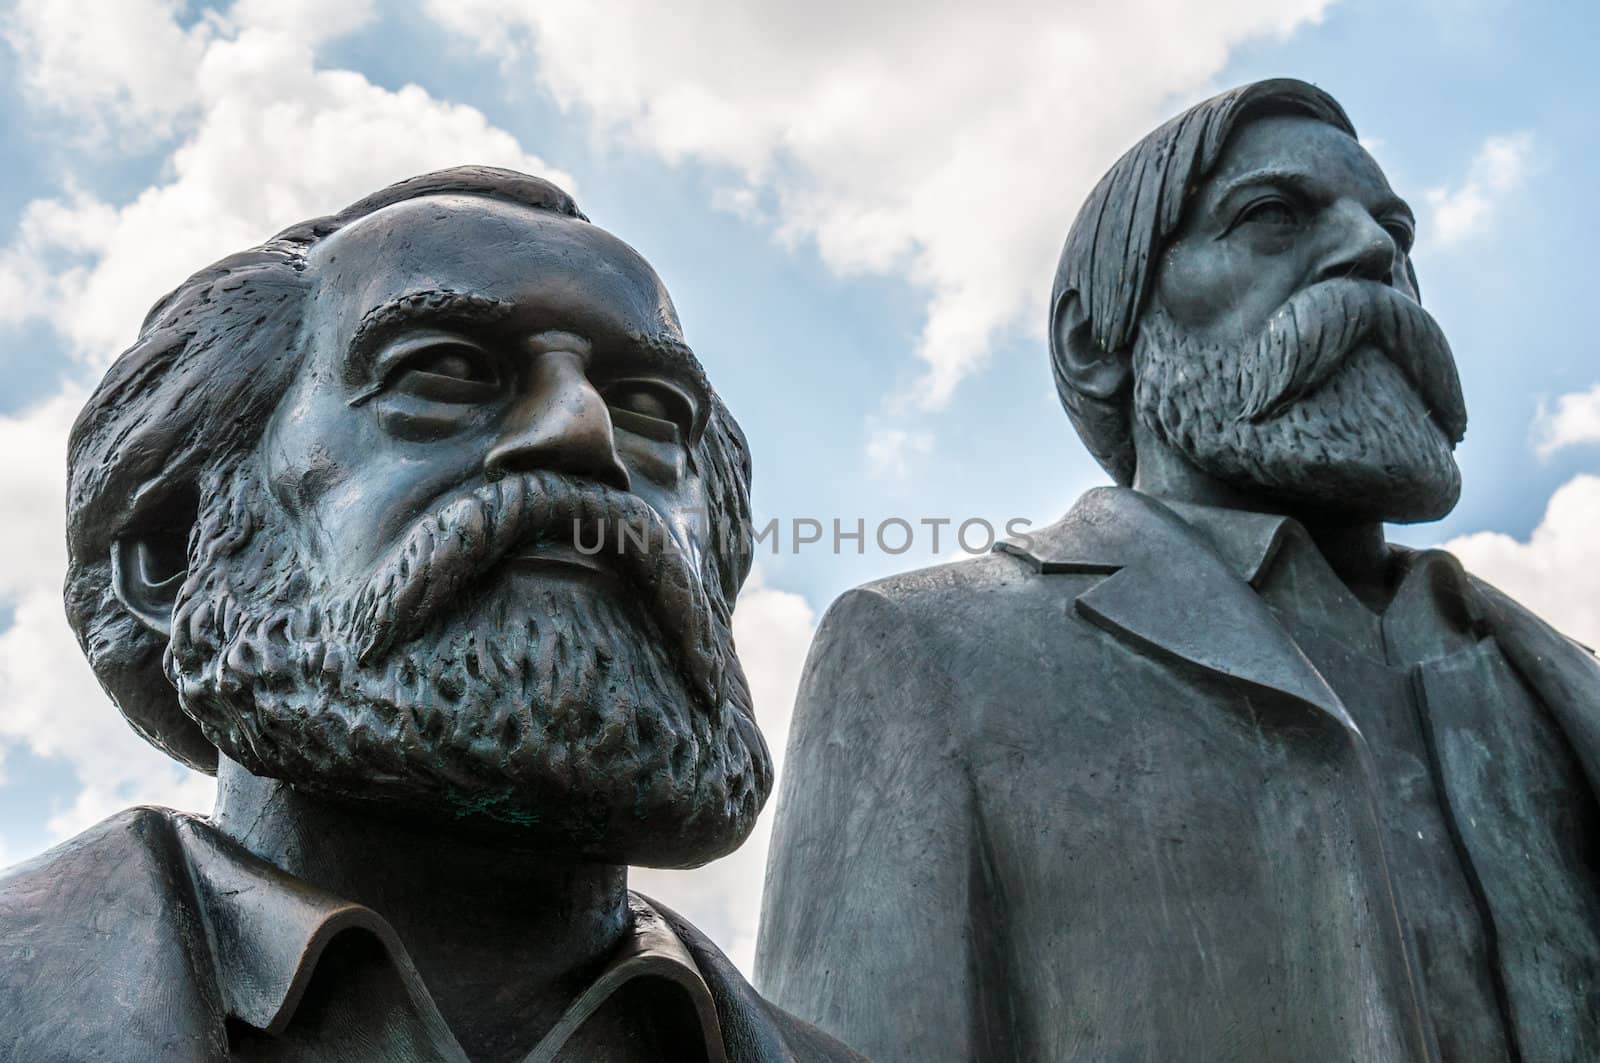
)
(1314, 416)
(555, 712)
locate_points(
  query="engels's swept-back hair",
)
(194, 393)
(1121, 229)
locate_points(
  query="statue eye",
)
(1273, 213)
(1401, 232)
(446, 371)
(453, 363)
(652, 408)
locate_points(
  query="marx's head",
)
(1237, 291)
(427, 504)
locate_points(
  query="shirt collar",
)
(268, 929)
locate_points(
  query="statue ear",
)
(1091, 370)
(149, 562)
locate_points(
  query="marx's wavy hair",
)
(190, 399)
(1117, 238)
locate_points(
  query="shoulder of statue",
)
(1515, 625)
(109, 908)
(1106, 529)
(133, 851)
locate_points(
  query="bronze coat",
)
(1087, 800)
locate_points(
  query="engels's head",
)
(1238, 291)
(324, 517)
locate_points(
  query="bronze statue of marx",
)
(335, 525)
(1208, 770)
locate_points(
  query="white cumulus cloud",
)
(1499, 168)
(128, 68)
(949, 143)
(1556, 573)
(1573, 420)
(891, 448)
(122, 68)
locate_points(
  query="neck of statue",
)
(501, 936)
(1355, 549)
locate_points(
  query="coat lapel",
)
(1167, 590)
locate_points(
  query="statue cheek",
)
(311, 482)
(1222, 292)
(1185, 282)
(299, 464)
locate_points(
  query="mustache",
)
(1309, 338)
(446, 551)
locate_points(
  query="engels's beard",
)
(1346, 404)
(553, 711)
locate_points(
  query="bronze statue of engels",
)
(322, 521)
(1208, 770)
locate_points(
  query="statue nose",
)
(560, 423)
(1362, 248)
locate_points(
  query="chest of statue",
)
(1179, 837)
(1163, 830)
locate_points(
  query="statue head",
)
(428, 505)
(1237, 291)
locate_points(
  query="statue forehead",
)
(510, 252)
(1297, 145)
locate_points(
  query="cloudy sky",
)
(857, 208)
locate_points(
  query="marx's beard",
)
(557, 712)
(1347, 404)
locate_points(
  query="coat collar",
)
(1169, 590)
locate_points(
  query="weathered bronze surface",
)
(1208, 770)
(421, 526)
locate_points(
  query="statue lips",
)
(561, 559)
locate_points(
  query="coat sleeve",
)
(864, 929)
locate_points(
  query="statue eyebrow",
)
(1301, 182)
(433, 306)
(1307, 185)
(673, 357)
